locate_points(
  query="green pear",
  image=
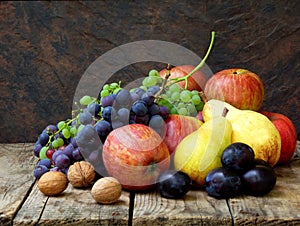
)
(249, 127)
(200, 152)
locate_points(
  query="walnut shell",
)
(81, 174)
(106, 190)
(53, 183)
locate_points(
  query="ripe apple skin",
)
(195, 82)
(239, 87)
(135, 155)
(287, 133)
(177, 128)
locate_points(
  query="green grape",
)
(191, 109)
(73, 130)
(194, 92)
(116, 90)
(150, 81)
(43, 152)
(80, 128)
(196, 99)
(55, 144)
(66, 133)
(60, 142)
(199, 106)
(183, 111)
(106, 87)
(175, 88)
(185, 96)
(61, 125)
(153, 72)
(175, 96)
(85, 100)
(173, 110)
(114, 85)
(169, 93)
(104, 93)
(143, 87)
(164, 96)
(180, 105)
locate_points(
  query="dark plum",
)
(238, 157)
(173, 184)
(259, 180)
(223, 183)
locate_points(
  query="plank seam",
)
(131, 207)
(230, 212)
(38, 220)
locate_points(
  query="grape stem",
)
(185, 78)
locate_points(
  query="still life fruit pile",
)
(177, 130)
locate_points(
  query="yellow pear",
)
(200, 152)
(249, 127)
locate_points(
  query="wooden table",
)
(21, 203)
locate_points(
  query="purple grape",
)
(153, 109)
(73, 142)
(103, 128)
(140, 92)
(123, 115)
(62, 161)
(153, 90)
(68, 150)
(45, 162)
(142, 119)
(134, 96)
(106, 113)
(37, 148)
(85, 117)
(123, 98)
(94, 108)
(164, 112)
(55, 154)
(55, 169)
(157, 123)
(43, 138)
(139, 108)
(76, 154)
(148, 99)
(108, 100)
(50, 129)
(39, 171)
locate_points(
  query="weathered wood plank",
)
(196, 208)
(72, 207)
(280, 207)
(16, 178)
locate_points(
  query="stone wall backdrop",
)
(45, 48)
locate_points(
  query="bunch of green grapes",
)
(184, 102)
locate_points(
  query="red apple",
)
(287, 133)
(178, 127)
(135, 155)
(195, 82)
(238, 87)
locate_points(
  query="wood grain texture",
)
(196, 208)
(72, 207)
(46, 46)
(16, 178)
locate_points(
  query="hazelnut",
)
(81, 174)
(106, 190)
(53, 183)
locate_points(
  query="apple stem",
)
(185, 78)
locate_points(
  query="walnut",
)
(81, 174)
(53, 183)
(106, 190)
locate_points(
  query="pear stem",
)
(225, 111)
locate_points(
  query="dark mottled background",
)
(45, 47)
